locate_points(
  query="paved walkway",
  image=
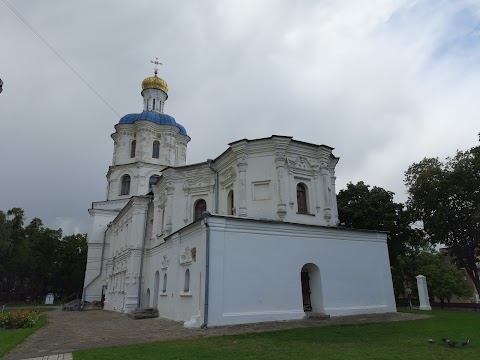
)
(54, 357)
(68, 331)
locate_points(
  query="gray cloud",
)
(385, 83)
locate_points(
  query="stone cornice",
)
(135, 165)
(281, 229)
(135, 202)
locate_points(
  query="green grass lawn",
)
(11, 338)
(396, 340)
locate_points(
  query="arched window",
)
(230, 203)
(133, 147)
(199, 208)
(125, 190)
(156, 149)
(186, 285)
(302, 198)
(153, 104)
(156, 285)
(153, 180)
(164, 285)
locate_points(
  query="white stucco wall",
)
(173, 258)
(255, 271)
(101, 214)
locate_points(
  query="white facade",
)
(269, 250)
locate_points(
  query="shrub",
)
(18, 319)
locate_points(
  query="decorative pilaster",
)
(280, 165)
(316, 180)
(169, 207)
(156, 217)
(325, 178)
(187, 207)
(336, 221)
(242, 169)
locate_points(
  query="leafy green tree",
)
(35, 259)
(446, 198)
(72, 261)
(443, 278)
(43, 245)
(374, 209)
(362, 207)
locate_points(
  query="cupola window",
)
(153, 108)
(133, 147)
(156, 149)
(199, 208)
(125, 190)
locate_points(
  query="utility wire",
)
(58, 55)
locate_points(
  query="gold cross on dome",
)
(156, 62)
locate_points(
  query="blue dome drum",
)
(155, 117)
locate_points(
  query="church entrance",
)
(312, 296)
(146, 301)
(307, 303)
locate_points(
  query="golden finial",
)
(156, 62)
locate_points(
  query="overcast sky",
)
(386, 83)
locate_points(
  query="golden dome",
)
(154, 82)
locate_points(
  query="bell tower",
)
(145, 143)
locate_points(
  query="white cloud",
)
(384, 82)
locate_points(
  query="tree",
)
(444, 279)
(446, 198)
(374, 209)
(35, 259)
(72, 261)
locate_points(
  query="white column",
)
(280, 165)
(325, 177)
(242, 168)
(423, 293)
(156, 219)
(336, 221)
(169, 207)
(318, 195)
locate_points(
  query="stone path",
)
(68, 331)
(54, 357)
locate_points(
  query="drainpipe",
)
(140, 277)
(210, 165)
(101, 266)
(206, 214)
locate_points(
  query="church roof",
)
(157, 118)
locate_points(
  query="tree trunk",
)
(473, 274)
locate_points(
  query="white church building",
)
(249, 236)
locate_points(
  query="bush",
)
(18, 319)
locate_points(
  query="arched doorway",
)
(156, 285)
(312, 289)
(146, 302)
